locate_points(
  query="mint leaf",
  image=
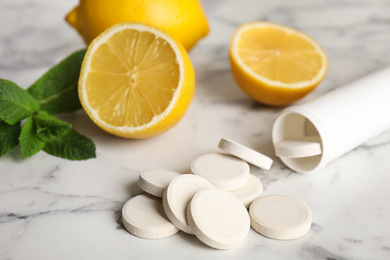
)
(49, 127)
(72, 146)
(30, 144)
(15, 103)
(8, 137)
(56, 90)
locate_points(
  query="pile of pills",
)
(212, 202)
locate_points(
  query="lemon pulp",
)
(279, 55)
(133, 72)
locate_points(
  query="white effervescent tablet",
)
(155, 181)
(245, 153)
(218, 218)
(177, 196)
(144, 216)
(304, 146)
(250, 191)
(280, 217)
(224, 171)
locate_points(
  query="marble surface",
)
(52, 208)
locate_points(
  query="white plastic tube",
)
(344, 119)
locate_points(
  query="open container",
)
(343, 119)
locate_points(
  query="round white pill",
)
(250, 191)
(177, 196)
(155, 181)
(280, 217)
(218, 218)
(245, 153)
(304, 146)
(144, 216)
(224, 171)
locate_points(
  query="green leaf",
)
(72, 146)
(15, 103)
(30, 144)
(8, 137)
(56, 90)
(49, 127)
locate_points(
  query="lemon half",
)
(136, 81)
(275, 64)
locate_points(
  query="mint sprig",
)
(55, 92)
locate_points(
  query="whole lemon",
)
(185, 20)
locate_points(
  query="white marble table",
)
(52, 208)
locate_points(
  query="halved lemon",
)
(275, 64)
(136, 81)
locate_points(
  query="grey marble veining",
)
(51, 208)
